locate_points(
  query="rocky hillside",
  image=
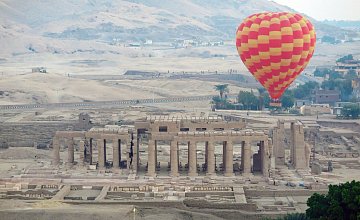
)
(53, 25)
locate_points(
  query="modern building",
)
(325, 97)
(315, 109)
(337, 109)
(344, 67)
(299, 103)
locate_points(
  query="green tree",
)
(266, 100)
(262, 94)
(304, 91)
(351, 111)
(248, 100)
(345, 58)
(287, 100)
(335, 75)
(220, 103)
(346, 90)
(318, 206)
(341, 202)
(321, 72)
(329, 85)
(342, 85)
(223, 88)
(296, 216)
(351, 74)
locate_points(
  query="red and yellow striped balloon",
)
(276, 48)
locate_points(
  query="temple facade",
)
(130, 143)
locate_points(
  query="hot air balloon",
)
(276, 48)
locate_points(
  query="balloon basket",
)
(276, 103)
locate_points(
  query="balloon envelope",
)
(276, 48)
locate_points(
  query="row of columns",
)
(228, 152)
(101, 143)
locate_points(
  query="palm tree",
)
(262, 92)
(222, 88)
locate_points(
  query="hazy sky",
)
(326, 9)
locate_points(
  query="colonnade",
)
(263, 157)
(250, 161)
(87, 149)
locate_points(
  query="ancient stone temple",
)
(256, 147)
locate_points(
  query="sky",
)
(326, 9)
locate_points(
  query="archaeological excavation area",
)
(195, 165)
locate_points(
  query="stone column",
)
(174, 159)
(298, 159)
(242, 155)
(56, 151)
(265, 157)
(70, 144)
(135, 154)
(206, 154)
(210, 158)
(224, 155)
(91, 151)
(128, 146)
(116, 159)
(156, 156)
(82, 151)
(101, 156)
(151, 159)
(247, 158)
(279, 143)
(192, 159)
(229, 169)
(120, 150)
(105, 152)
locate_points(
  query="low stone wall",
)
(282, 193)
(155, 204)
(203, 204)
(203, 194)
(128, 194)
(27, 134)
(354, 126)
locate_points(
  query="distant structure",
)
(325, 96)
(315, 109)
(38, 70)
(356, 88)
(135, 44)
(346, 65)
(299, 103)
(148, 42)
(84, 122)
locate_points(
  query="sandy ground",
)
(18, 85)
(51, 88)
(44, 210)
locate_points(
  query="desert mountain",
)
(53, 25)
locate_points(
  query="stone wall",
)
(282, 193)
(203, 204)
(26, 134)
(278, 138)
(203, 194)
(354, 126)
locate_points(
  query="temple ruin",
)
(260, 152)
